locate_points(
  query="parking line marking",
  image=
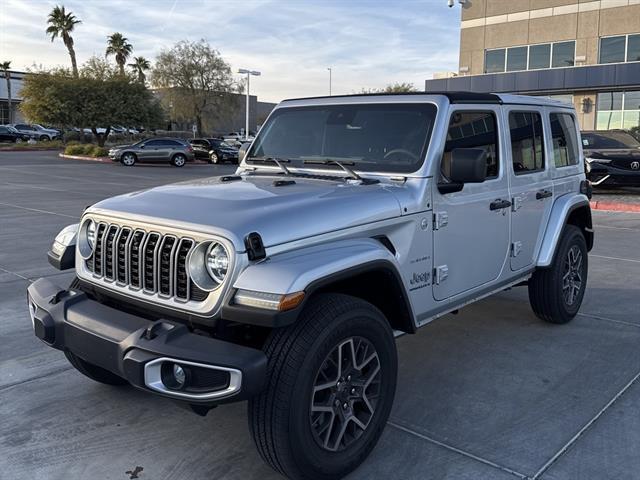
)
(38, 211)
(615, 258)
(575, 438)
(14, 273)
(457, 450)
(597, 317)
(37, 377)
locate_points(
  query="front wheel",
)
(556, 292)
(213, 158)
(128, 159)
(331, 384)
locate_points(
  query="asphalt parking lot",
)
(490, 393)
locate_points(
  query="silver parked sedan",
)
(172, 150)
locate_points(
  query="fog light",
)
(175, 376)
(179, 375)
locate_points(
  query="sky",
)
(367, 43)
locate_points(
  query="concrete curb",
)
(615, 206)
(82, 157)
(108, 160)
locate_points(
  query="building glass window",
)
(516, 59)
(620, 49)
(539, 56)
(494, 61)
(633, 48)
(618, 110)
(527, 151)
(530, 57)
(563, 54)
(565, 139)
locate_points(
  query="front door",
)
(531, 184)
(471, 226)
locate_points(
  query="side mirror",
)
(141, 146)
(243, 150)
(468, 165)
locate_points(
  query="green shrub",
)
(98, 151)
(75, 149)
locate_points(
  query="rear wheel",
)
(556, 293)
(94, 372)
(332, 379)
(128, 159)
(178, 160)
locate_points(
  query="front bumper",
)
(136, 349)
(603, 175)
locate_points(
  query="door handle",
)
(542, 194)
(499, 204)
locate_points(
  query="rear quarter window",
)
(565, 140)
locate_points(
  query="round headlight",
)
(217, 262)
(91, 233)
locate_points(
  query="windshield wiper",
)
(280, 162)
(342, 165)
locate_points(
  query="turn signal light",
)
(270, 301)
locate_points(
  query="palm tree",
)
(120, 47)
(7, 76)
(61, 24)
(140, 65)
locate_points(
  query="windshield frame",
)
(298, 164)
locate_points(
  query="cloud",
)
(367, 43)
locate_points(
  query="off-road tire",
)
(94, 372)
(546, 285)
(178, 160)
(280, 417)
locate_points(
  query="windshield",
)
(371, 137)
(598, 141)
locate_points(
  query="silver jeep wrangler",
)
(349, 220)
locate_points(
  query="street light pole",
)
(329, 68)
(248, 73)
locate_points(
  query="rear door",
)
(471, 226)
(152, 151)
(531, 183)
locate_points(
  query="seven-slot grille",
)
(148, 261)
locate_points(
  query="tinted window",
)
(198, 142)
(494, 61)
(539, 56)
(4, 130)
(610, 101)
(527, 148)
(597, 141)
(612, 49)
(472, 130)
(516, 59)
(563, 54)
(171, 143)
(22, 126)
(370, 137)
(565, 139)
(153, 143)
(633, 48)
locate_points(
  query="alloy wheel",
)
(128, 159)
(179, 160)
(345, 394)
(572, 275)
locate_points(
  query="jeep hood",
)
(256, 203)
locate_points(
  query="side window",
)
(527, 149)
(565, 140)
(173, 143)
(153, 143)
(472, 130)
(4, 130)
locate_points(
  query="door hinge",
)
(440, 274)
(516, 248)
(440, 219)
(516, 204)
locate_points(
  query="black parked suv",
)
(10, 134)
(214, 150)
(612, 158)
